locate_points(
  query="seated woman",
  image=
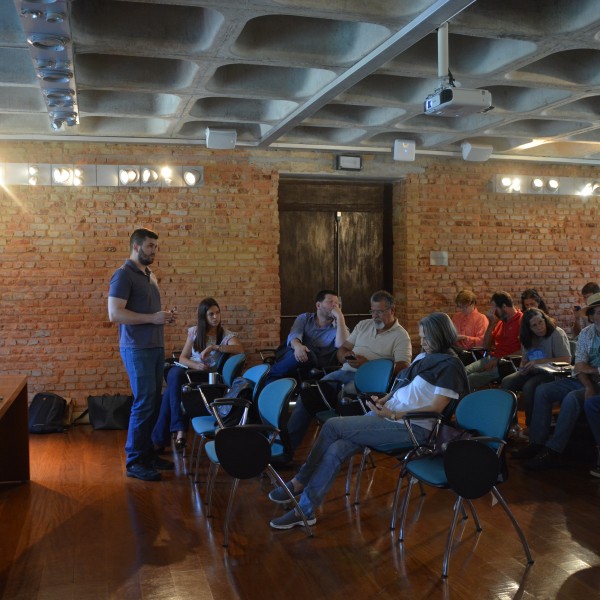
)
(531, 299)
(541, 342)
(469, 322)
(434, 377)
(205, 344)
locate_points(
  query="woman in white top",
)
(433, 379)
(206, 343)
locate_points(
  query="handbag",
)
(109, 411)
(449, 433)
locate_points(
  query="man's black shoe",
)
(140, 471)
(526, 452)
(161, 464)
(544, 460)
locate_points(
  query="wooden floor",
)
(81, 530)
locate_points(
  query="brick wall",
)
(494, 241)
(59, 247)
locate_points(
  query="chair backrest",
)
(257, 376)
(471, 468)
(273, 399)
(233, 368)
(490, 412)
(374, 376)
(243, 452)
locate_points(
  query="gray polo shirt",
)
(140, 290)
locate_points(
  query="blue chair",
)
(204, 426)
(470, 468)
(246, 451)
(373, 377)
(399, 451)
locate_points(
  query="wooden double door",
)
(336, 236)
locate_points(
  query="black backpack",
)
(240, 388)
(47, 413)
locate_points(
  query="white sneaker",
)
(595, 472)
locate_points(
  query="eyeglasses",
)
(378, 313)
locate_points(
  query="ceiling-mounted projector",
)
(457, 102)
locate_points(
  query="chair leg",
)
(194, 439)
(366, 455)
(201, 443)
(457, 508)
(478, 526)
(349, 474)
(212, 476)
(234, 487)
(274, 474)
(407, 492)
(518, 529)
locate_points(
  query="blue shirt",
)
(321, 340)
(140, 290)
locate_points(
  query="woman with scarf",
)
(434, 378)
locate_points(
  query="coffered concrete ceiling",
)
(349, 75)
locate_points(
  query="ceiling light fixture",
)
(77, 176)
(552, 185)
(33, 174)
(128, 176)
(47, 41)
(53, 75)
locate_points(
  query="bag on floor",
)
(109, 411)
(47, 413)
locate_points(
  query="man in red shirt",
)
(501, 339)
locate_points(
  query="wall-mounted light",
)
(77, 176)
(128, 176)
(545, 185)
(149, 175)
(191, 177)
(65, 175)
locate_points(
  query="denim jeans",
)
(592, 412)
(288, 366)
(527, 384)
(171, 417)
(300, 418)
(570, 394)
(145, 370)
(340, 438)
(477, 376)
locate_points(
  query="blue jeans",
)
(592, 412)
(300, 418)
(477, 376)
(288, 366)
(570, 394)
(340, 438)
(527, 384)
(145, 370)
(171, 417)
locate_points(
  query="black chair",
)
(473, 468)
(244, 452)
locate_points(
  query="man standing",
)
(501, 339)
(314, 337)
(379, 337)
(134, 303)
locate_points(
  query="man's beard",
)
(145, 259)
(379, 325)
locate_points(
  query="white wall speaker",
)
(221, 139)
(476, 153)
(404, 150)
